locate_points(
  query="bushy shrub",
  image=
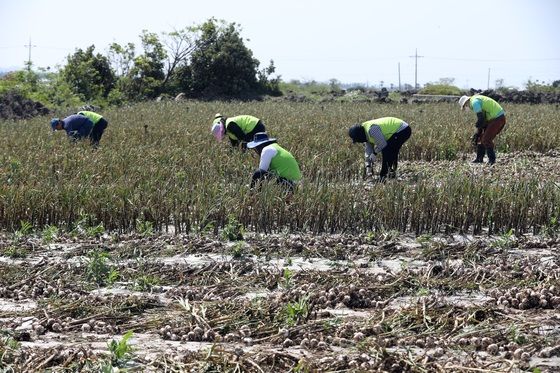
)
(440, 89)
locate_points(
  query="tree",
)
(180, 45)
(222, 65)
(121, 58)
(145, 78)
(88, 75)
(267, 84)
(499, 83)
(334, 85)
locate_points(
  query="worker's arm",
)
(234, 129)
(480, 120)
(477, 108)
(378, 138)
(78, 126)
(267, 154)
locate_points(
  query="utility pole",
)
(399, 76)
(29, 46)
(416, 67)
(488, 85)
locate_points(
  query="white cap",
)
(462, 101)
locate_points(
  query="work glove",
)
(368, 171)
(368, 165)
(475, 138)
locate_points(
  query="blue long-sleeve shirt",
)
(77, 126)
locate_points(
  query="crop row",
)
(158, 163)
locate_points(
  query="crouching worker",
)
(99, 125)
(275, 162)
(384, 135)
(240, 129)
(76, 126)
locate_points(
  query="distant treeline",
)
(203, 62)
(207, 61)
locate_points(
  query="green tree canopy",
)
(222, 65)
(145, 78)
(89, 75)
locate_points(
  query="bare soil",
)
(275, 303)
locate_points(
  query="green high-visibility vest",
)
(284, 164)
(389, 126)
(247, 123)
(490, 108)
(94, 117)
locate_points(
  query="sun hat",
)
(462, 101)
(218, 130)
(54, 122)
(260, 139)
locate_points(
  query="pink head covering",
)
(218, 130)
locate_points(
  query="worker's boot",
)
(491, 155)
(392, 171)
(480, 151)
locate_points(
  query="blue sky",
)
(348, 40)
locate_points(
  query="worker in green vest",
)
(383, 135)
(240, 129)
(275, 161)
(491, 119)
(99, 124)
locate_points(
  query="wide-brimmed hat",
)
(462, 101)
(260, 138)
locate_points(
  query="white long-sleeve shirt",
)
(267, 153)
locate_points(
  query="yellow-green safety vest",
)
(389, 126)
(490, 108)
(94, 117)
(247, 123)
(284, 164)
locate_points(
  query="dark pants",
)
(391, 151)
(493, 128)
(249, 136)
(97, 131)
(265, 175)
(258, 128)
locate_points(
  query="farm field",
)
(155, 241)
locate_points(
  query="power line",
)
(493, 60)
(35, 46)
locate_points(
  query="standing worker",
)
(383, 135)
(240, 129)
(99, 124)
(491, 119)
(275, 161)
